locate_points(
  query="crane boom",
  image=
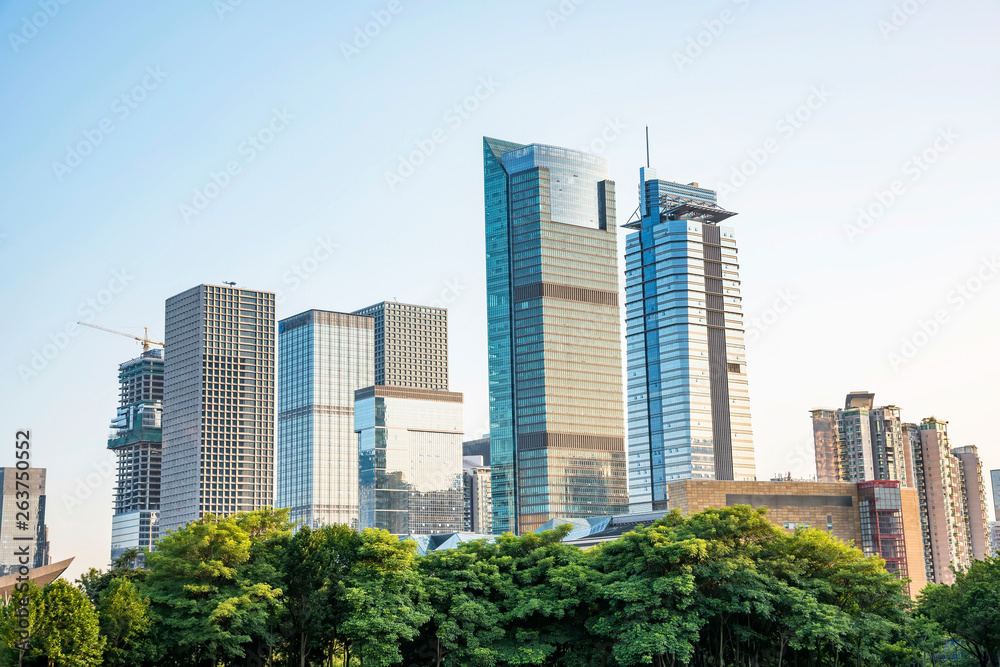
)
(145, 340)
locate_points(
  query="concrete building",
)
(868, 441)
(16, 533)
(974, 488)
(478, 447)
(478, 496)
(218, 403)
(688, 396)
(557, 431)
(323, 359)
(137, 440)
(411, 345)
(879, 517)
(410, 460)
(943, 509)
(995, 484)
(995, 538)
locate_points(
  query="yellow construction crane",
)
(146, 342)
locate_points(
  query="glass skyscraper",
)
(688, 402)
(556, 414)
(323, 358)
(410, 460)
(20, 498)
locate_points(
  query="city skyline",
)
(806, 149)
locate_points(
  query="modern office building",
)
(688, 398)
(867, 441)
(478, 496)
(879, 517)
(995, 485)
(943, 507)
(323, 358)
(478, 447)
(557, 435)
(137, 440)
(410, 459)
(218, 403)
(977, 512)
(16, 532)
(995, 538)
(411, 345)
(827, 445)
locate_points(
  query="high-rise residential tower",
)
(826, 443)
(411, 345)
(137, 440)
(995, 485)
(323, 358)
(16, 533)
(557, 442)
(975, 500)
(688, 398)
(218, 403)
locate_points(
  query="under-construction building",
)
(137, 439)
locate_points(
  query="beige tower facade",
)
(218, 403)
(975, 500)
(826, 442)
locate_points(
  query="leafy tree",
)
(969, 610)
(64, 627)
(94, 581)
(124, 621)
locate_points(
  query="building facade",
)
(137, 440)
(688, 398)
(410, 460)
(995, 484)
(218, 404)
(478, 496)
(323, 358)
(411, 345)
(20, 486)
(478, 447)
(557, 435)
(977, 512)
(827, 445)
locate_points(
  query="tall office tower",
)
(688, 401)
(826, 443)
(478, 447)
(137, 440)
(13, 528)
(411, 345)
(218, 404)
(410, 459)
(478, 497)
(323, 358)
(557, 442)
(941, 486)
(977, 515)
(869, 441)
(995, 484)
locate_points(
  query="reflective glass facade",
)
(410, 460)
(12, 534)
(688, 399)
(137, 439)
(218, 407)
(881, 509)
(556, 413)
(323, 358)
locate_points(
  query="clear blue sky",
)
(715, 81)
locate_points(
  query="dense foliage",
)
(723, 587)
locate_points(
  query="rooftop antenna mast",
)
(647, 147)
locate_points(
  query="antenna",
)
(647, 146)
(230, 283)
